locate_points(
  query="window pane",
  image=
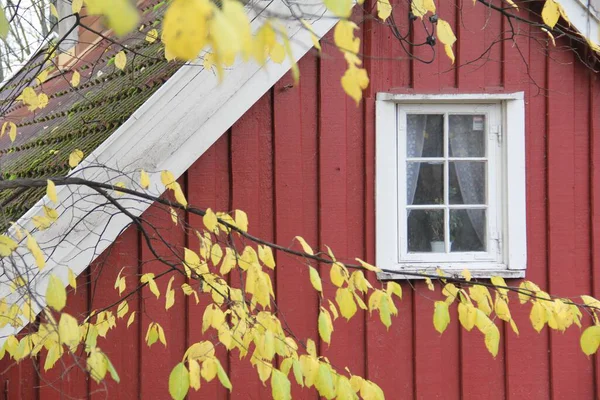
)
(425, 183)
(425, 136)
(467, 182)
(467, 230)
(466, 135)
(426, 231)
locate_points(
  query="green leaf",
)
(590, 340)
(112, 370)
(222, 375)
(280, 386)
(179, 382)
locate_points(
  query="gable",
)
(169, 131)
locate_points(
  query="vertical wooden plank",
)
(252, 183)
(296, 198)
(158, 361)
(340, 199)
(387, 63)
(437, 358)
(471, 57)
(207, 186)
(594, 133)
(121, 344)
(474, 55)
(395, 346)
(19, 380)
(571, 371)
(521, 59)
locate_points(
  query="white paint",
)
(584, 19)
(507, 255)
(170, 131)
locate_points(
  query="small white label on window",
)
(477, 123)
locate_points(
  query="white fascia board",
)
(170, 131)
(585, 19)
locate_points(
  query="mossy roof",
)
(79, 117)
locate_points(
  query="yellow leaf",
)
(76, 6)
(179, 382)
(122, 309)
(7, 246)
(241, 220)
(68, 330)
(538, 316)
(384, 9)
(501, 308)
(121, 60)
(315, 279)
(30, 98)
(194, 374)
(75, 158)
(97, 365)
(368, 266)
(72, 279)
(170, 294)
(42, 100)
(394, 288)
(149, 279)
(307, 249)
(56, 296)
(120, 15)
(51, 191)
(354, 81)
(446, 37)
(340, 8)
(466, 274)
(325, 326)
(185, 28)
(550, 13)
(75, 79)
(53, 11)
(344, 39)
(429, 284)
(441, 316)
(209, 369)
(210, 221)
(266, 256)
(492, 339)
(131, 319)
(280, 386)
(467, 315)
(35, 250)
(313, 36)
(590, 340)
(338, 274)
(277, 53)
(151, 36)
(144, 179)
(345, 301)
(41, 222)
(228, 262)
(420, 7)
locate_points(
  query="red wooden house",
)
(486, 164)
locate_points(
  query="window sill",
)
(481, 273)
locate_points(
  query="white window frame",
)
(507, 244)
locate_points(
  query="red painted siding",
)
(301, 162)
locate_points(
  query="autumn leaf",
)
(75, 158)
(120, 60)
(75, 79)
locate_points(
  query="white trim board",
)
(170, 131)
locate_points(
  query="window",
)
(450, 184)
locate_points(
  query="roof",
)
(79, 117)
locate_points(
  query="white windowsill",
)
(475, 273)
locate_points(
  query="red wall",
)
(301, 162)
